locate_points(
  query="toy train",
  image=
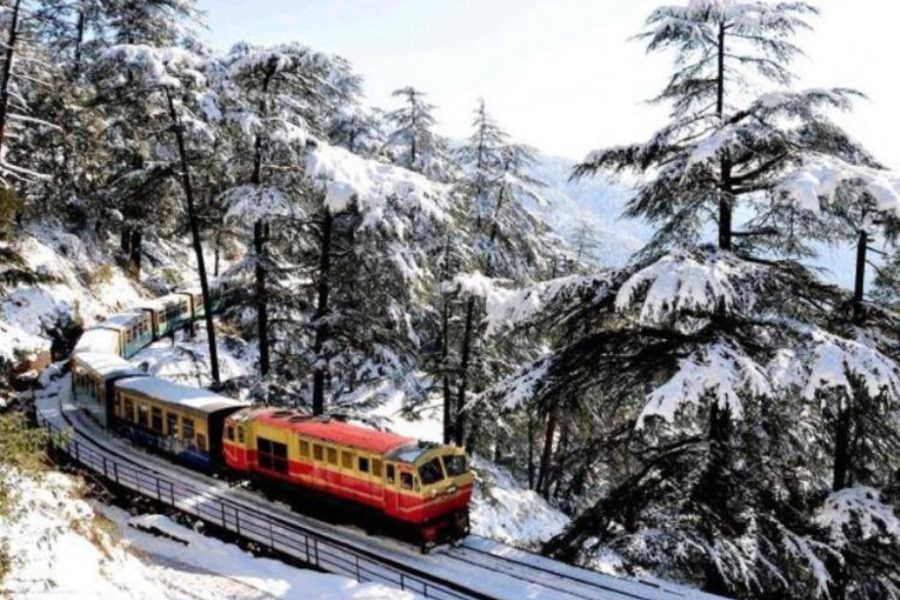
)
(414, 486)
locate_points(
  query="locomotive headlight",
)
(451, 490)
(433, 493)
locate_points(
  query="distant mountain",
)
(597, 202)
(600, 203)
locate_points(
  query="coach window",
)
(156, 420)
(201, 442)
(347, 460)
(332, 456)
(187, 430)
(240, 434)
(229, 433)
(390, 474)
(304, 448)
(171, 424)
(363, 464)
(143, 415)
(318, 453)
(406, 481)
(128, 409)
(376, 467)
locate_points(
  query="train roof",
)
(98, 340)
(150, 305)
(192, 398)
(121, 320)
(334, 431)
(106, 365)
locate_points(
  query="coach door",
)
(391, 498)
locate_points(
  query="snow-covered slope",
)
(64, 547)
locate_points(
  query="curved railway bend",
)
(476, 568)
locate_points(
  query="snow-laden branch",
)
(684, 283)
(346, 178)
(720, 373)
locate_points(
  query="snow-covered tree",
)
(707, 388)
(170, 86)
(412, 141)
(277, 92)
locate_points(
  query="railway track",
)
(478, 568)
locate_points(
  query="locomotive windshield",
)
(455, 464)
(431, 472)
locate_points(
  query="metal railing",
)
(277, 534)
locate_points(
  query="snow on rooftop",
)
(183, 395)
(104, 364)
(121, 321)
(98, 341)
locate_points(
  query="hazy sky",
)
(561, 75)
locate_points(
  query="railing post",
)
(77, 453)
(271, 537)
(158, 491)
(357, 567)
(222, 506)
(104, 467)
(172, 493)
(237, 521)
(116, 472)
(402, 581)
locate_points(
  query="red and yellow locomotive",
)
(425, 486)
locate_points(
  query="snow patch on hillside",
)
(182, 551)
(503, 510)
(57, 549)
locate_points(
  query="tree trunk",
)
(195, 234)
(725, 200)
(531, 466)
(859, 288)
(260, 235)
(842, 455)
(543, 481)
(465, 352)
(562, 449)
(322, 314)
(134, 258)
(125, 241)
(262, 314)
(217, 253)
(11, 39)
(79, 40)
(445, 353)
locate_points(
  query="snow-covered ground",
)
(63, 546)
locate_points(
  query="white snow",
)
(249, 203)
(719, 373)
(345, 178)
(858, 513)
(503, 510)
(824, 361)
(57, 551)
(58, 548)
(190, 397)
(679, 283)
(194, 551)
(819, 181)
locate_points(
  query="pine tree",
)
(413, 141)
(697, 376)
(167, 83)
